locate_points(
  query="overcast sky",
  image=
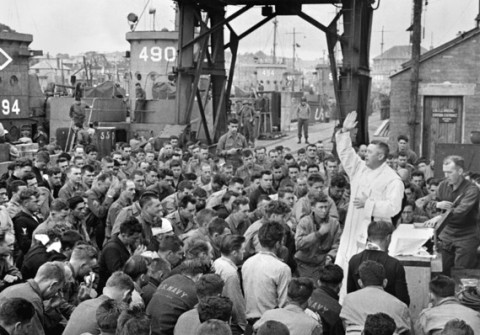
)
(77, 26)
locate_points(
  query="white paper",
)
(408, 240)
(42, 238)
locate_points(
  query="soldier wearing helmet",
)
(246, 115)
(303, 118)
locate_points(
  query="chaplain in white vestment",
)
(376, 191)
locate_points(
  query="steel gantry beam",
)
(355, 80)
(352, 85)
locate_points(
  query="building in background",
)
(388, 63)
(449, 95)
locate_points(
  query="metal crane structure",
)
(202, 53)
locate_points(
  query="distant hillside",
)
(260, 57)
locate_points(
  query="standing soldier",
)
(246, 116)
(140, 97)
(78, 115)
(230, 145)
(303, 117)
(459, 197)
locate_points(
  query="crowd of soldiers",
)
(234, 240)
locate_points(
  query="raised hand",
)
(350, 121)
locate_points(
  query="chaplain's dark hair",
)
(371, 273)
(379, 230)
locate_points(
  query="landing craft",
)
(152, 55)
(22, 102)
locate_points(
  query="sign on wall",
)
(446, 115)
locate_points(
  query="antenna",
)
(382, 41)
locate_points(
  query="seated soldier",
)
(371, 299)
(170, 203)
(134, 321)
(119, 287)
(445, 307)
(225, 208)
(158, 270)
(379, 323)
(293, 314)
(238, 220)
(175, 296)
(107, 315)
(324, 299)
(9, 274)
(209, 285)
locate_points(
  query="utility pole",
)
(382, 43)
(293, 60)
(415, 74)
(275, 24)
(294, 50)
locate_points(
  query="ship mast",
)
(275, 23)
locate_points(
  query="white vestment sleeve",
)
(351, 162)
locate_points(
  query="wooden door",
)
(442, 122)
